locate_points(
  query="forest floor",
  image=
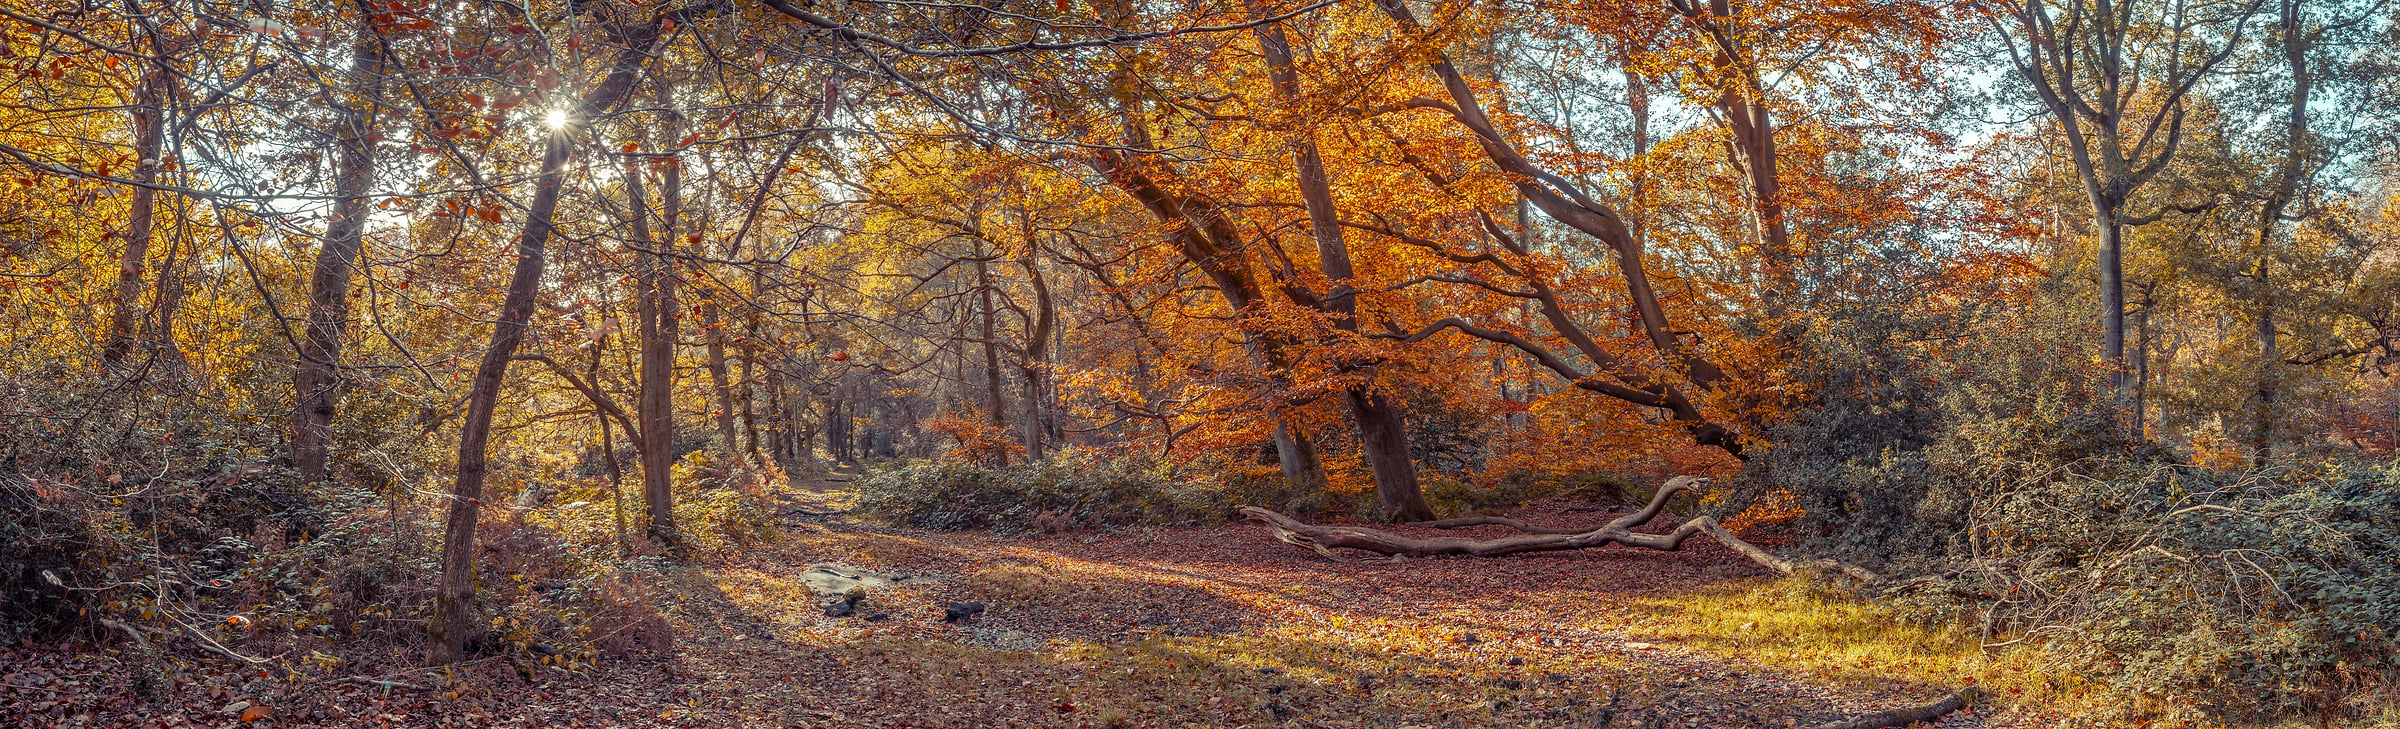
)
(1155, 627)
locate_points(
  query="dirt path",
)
(1182, 627)
(1219, 626)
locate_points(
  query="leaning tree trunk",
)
(316, 388)
(450, 624)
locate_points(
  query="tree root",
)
(1324, 539)
(1905, 717)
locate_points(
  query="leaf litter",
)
(1140, 627)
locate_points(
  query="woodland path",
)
(1153, 627)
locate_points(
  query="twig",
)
(387, 686)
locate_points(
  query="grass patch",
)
(1813, 630)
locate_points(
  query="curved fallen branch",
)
(1905, 717)
(1468, 521)
(1324, 539)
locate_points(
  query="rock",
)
(841, 609)
(878, 617)
(838, 580)
(1516, 660)
(959, 611)
(1469, 639)
(234, 708)
(1007, 640)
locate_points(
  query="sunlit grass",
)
(1827, 635)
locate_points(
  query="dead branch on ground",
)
(1324, 539)
(1905, 717)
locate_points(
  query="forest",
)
(1277, 363)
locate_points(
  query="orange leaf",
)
(255, 713)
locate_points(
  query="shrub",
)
(1265, 487)
(1452, 497)
(716, 520)
(2245, 595)
(156, 510)
(948, 495)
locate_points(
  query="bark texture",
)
(1912, 715)
(317, 387)
(661, 326)
(1382, 425)
(149, 136)
(451, 623)
(1324, 539)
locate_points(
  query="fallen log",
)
(1468, 521)
(1905, 717)
(1324, 539)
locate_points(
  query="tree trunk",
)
(2139, 359)
(450, 624)
(1382, 427)
(748, 355)
(1209, 240)
(1383, 435)
(1037, 348)
(2270, 219)
(168, 296)
(1569, 205)
(720, 380)
(608, 449)
(991, 349)
(661, 319)
(149, 135)
(317, 386)
(1741, 98)
(1637, 101)
(1297, 454)
(2112, 300)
